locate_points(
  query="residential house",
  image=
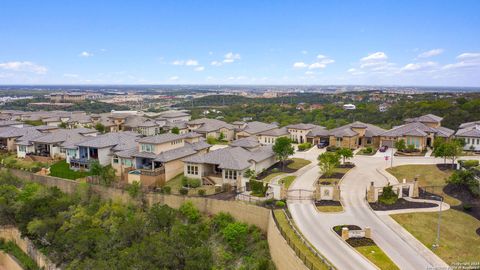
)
(355, 135)
(228, 165)
(174, 116)
(298, 132)
(100, 148)
(157, 159)
(212, 128)
(470, 134)
(419, 132)
(270, 136)
(50, 144)
(9, 136)
(254, 128)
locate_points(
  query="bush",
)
(280, 204)
(258, 188)
(190, 212)
(304, 146)
(368, 150)
(468, 164)
(211, 140)
(332, 148)
(220, 221)
(190, 182)
(201, 192)
(465, 178)
(218, 189)
(183, 191)
(236, 235)
(166, 189)
(467, 207)
(388, 196)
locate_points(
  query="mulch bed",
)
(478, 231)
(338, 229)
(327, 203)
(334, 175)
(279, 168)
(360, 242)
(462, 193)
(400, 204)
(446, 166)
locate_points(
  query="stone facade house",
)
(470, 134)
(212, 128)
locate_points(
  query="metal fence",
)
(303, 257)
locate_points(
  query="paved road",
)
(406, 251)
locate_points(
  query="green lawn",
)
(298, 163)
(330, 208)
(287, 181)
(11, 161)
(297, 242)
(269, 177)
(176, 184)
(377, 257)
(458, 239)
(428, 175)
(62, 169)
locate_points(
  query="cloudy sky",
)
(433, 43)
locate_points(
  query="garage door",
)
(388, 143)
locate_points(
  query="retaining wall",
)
(282, 255)
(8, 262)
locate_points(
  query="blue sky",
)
(240, 42)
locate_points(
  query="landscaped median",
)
(302, 248)
(367, 247)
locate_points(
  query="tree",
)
(134, 190)
(100, 127)
(452, 149)
(250, 174)
(106, 174)
(282, 149)
(175, 130)
(400, 145)
(221, 137)
(345, 153)
(328, 161)
(62, 125)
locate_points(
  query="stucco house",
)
(270, 136)
(157, 159)
(254, 128)
(470, 133)
(419, 132)
(298, 132)
(228, 165)
(212, 128)
(355, 135)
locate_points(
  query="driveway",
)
(405, 250)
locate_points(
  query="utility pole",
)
(437, 240)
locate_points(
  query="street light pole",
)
(437, 240)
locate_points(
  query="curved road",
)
(404, 250)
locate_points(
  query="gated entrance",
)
(300, 194)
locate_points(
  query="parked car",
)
(383, 148)
(321, 145)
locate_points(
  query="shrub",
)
(167, 189)
(211, 140)
(183, 191)
(411, 148)
(280, 204)
(467, 207)
(388, 196)
(236, 235)
(258, 188)
(467, 164)
(221, 220)
(332, 148)
(368, 150)
(190, 212)
(201, 192)
(304, 146)
(190, 182)
(218, 189)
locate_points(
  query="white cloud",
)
(86, 54)
(231, 57)
(375, 57)
(419, 66)
(178, 63)
(199, 68)
(174, 78)
(309, 72)
(316, 66)
(430, 53)
(304, 52)
(216, 63)
(23, 66)
(299, 65)
(191, 62)
(465, 61)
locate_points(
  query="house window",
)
(192, 169)
(231, 174)
(115, 160)
(127, 162)
(22, 148)
(147, 148)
